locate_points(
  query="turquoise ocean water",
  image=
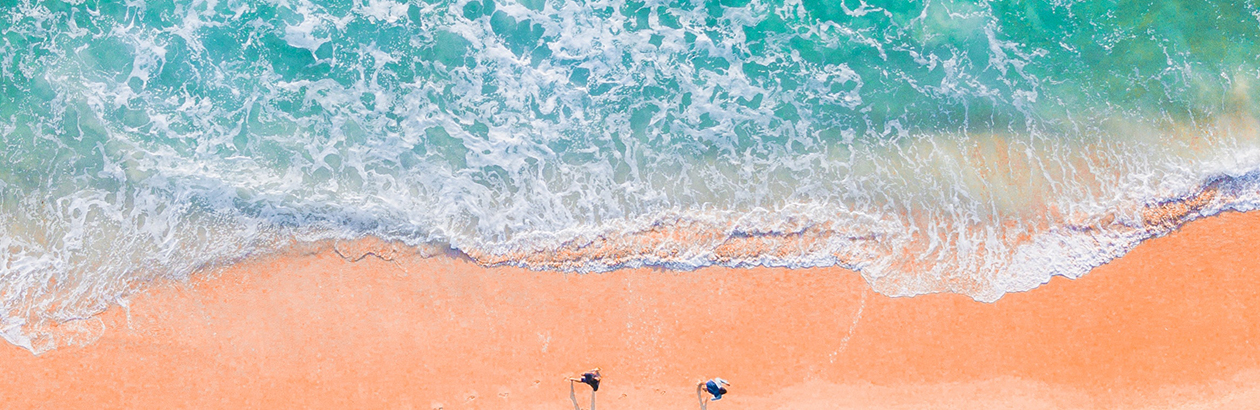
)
(940, 146)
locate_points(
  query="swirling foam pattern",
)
(971, 147)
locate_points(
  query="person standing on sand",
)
(591, 378)
(715, 387)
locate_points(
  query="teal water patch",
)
(970, 147)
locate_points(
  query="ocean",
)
(971, 147)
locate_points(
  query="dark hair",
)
(721, 391)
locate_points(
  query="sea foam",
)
(935, 147)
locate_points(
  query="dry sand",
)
(1170, 324)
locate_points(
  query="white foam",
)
(303, 34)
(685, 145)
(386, 10)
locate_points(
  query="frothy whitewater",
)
(941, 146)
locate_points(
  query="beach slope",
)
(373, 325)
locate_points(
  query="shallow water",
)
(970, 147)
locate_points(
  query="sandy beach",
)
(206, 204)
(372, 325)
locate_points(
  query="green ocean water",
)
(941, 146)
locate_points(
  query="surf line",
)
(844, 342)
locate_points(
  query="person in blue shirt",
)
(716, 387)
(591, 378)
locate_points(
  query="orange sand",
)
(1170, 324)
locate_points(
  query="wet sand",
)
(1171, 324)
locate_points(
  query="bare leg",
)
(592, 400)
(700, 396)
(573, 396)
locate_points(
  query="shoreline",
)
(1168, 324)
